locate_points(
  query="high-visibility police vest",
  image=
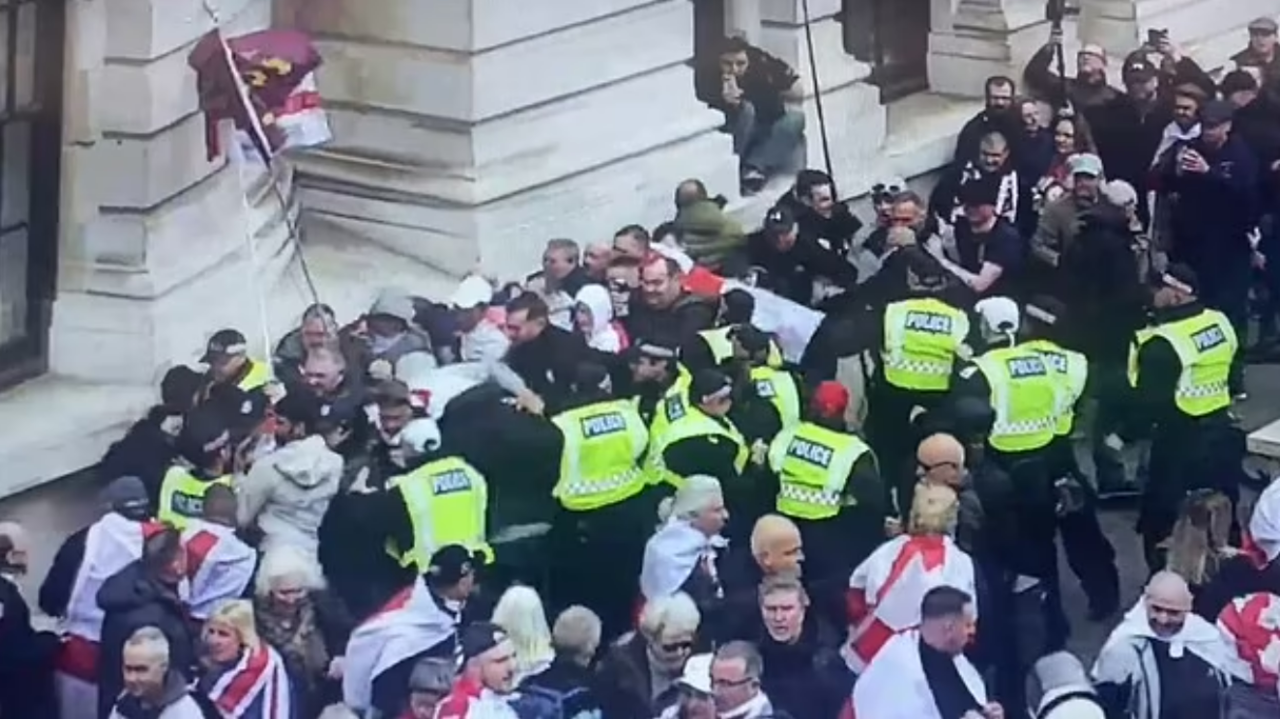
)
(259, 374)
(598, 465)
(1024, 395)
(446, 501)
(695, 423)
(722, 347)
(921, 336)
(673, 405)
(780, 389)
(813, 464)
(1072, 370)
(182, 496)
(1206, 344)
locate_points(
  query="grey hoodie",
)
(175, 703)
(287, 493)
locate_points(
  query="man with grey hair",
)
(151, 687)
(560, 279)
(566, 685)
(736, 668)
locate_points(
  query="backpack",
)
(539, 702)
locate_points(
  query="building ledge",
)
(58, 426)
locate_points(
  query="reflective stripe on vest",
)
(1205, 344)
(258, 375)
(673, 405)
(813, 465)
(1072, 370)
(1024, 395)
(446, 501)
(722, 347)
(921, 337)
(695, 424)
(780, 389)
(598, 465)
(182, 496)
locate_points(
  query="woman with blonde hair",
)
(520, 612)
(885, 591)
(242, 675)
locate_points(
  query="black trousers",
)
(1090, 554)
(595, 559)
(1186, 456)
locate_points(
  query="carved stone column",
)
(974, 39)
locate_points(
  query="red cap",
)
(830, 399)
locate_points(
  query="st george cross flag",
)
(276, 69)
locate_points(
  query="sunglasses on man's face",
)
(880, 189)
(673, 647)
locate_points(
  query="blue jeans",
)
(767, 148)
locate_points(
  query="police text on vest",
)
(930, 322)
(811, 452)
(602, 424)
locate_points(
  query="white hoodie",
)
(604, 336)
(288, 491)
(1126, 657)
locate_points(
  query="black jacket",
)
(626, 684)
(549, 363)
(55, 590)
(1215, 210)
(792, 273)
(969, 140)
(132, 599)
(834, 233)
(146, 451)
(807, 678)
(26, 658)
(676, 326)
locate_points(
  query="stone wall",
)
(467, 134)
(153, 249)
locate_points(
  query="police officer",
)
(715, 347)
(1089, 552)
(920, 339)
(700, 438)
(1022, 390)
(769, 398)
(656, 376)
(227, 355)
(829, 483)
(445, 501)
(601, 493)
(204, 459)
(1179, 370)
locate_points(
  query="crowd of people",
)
(630, 486)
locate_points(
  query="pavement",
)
(55, 510)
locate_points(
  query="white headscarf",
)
(603, 336)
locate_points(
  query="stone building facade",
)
(467, 132)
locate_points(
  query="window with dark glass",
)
(893, 37)
(30, 102)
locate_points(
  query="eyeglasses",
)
(730, 683)
(673, 647)
(619, 285)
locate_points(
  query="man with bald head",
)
(1163, 660)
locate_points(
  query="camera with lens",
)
(1055, 11)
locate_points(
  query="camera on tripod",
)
(1055, 11)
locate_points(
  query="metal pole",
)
(817, 92)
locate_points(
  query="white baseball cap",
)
(999, 314)
(472, 292)
(697, 673)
